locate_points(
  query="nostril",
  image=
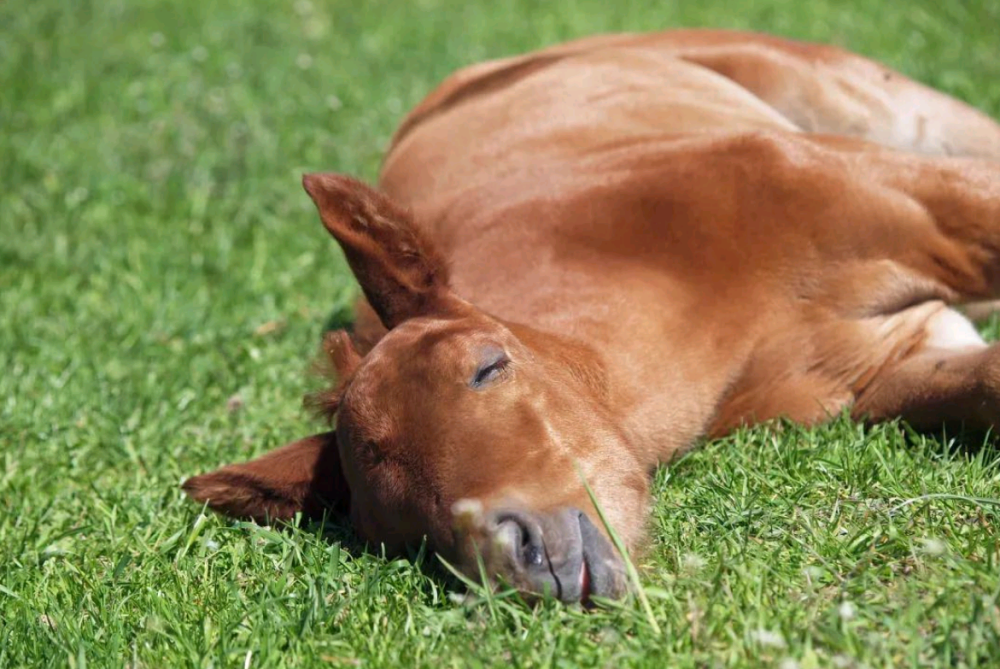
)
(509, 534)
(533, 555)
(523, 539)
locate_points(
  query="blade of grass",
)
(630, 569)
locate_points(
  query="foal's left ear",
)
(304, 476)
(401, 272)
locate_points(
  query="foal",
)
(581, 260)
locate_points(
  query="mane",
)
(337, 362)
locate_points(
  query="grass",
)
(163, 284)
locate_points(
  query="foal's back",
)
(634, 190)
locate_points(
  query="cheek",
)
(530, 476)
(364, 520)
(392, 507)
(624, 501)
(620, 488)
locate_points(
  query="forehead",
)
(429, 335)
(427, 344)
(420, 355)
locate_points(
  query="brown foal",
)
(581, 260)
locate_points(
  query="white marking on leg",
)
(949, 329)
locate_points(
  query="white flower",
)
(692, 562)
(768, 638)
(467, 508)
(931, 546)
(76, 197)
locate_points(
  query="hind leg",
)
(838, 97)
(954, 378)
(937, 218)
(937, 387)
(823, 89)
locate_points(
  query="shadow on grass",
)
(336, 528)
(953, 439)
(340, 318)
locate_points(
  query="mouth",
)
(602, 571)
(560, 554)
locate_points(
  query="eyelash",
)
(490, 372)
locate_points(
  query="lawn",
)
(163, 285)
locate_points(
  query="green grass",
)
(157, 258)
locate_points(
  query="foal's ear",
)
(303, 476)
(400, 271)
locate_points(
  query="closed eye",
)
(490, 371)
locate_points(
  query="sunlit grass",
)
(163, 285)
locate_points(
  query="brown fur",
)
(668, 236)
(338, 360)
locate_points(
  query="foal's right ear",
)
(401, 273)
(304, 477)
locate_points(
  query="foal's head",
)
(456, 426)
